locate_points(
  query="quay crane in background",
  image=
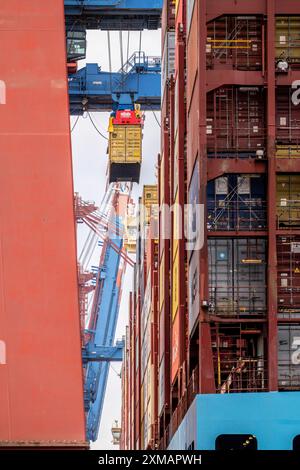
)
(136, 86)
(98, 348)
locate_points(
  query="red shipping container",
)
(235, 121)
(235, 42)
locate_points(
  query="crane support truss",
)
(103, 353)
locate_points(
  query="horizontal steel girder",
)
(117, 15)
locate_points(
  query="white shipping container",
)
(168, 59)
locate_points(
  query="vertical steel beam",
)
(170, 164)
(166, 245)
(206, 370)
(271, 210)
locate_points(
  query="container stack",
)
(228, 310)
(140, 362)
(164, 183)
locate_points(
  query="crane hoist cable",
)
(90, 251)
(106, 226)
(95, 127)
(90, 301)
(123, 65)
(156, 119)
(109, 60)
(115, 371)
(140, 41)
(121, 50)
(128, 40)
(92, 238)
(94, 223)
(88, 261)
(84, 248)
(140, 50)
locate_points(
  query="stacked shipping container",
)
(229, 313)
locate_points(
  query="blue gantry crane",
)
(91, 89)
(98, 346)
(138, 81)
(100, 349)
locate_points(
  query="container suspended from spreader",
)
(125, 145)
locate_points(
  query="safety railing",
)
(235, 54)
(139, 60)
(244, 214)
(235, 42)
(288, 49)
(244, 374)
(288, 135)
(137, 63)
(240, 301)
(288, 300)
(288, 150)
(288, 213)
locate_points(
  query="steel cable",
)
(74, 125)
(95, 127)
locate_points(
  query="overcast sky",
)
(89, 167)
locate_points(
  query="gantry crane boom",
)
(139, 81)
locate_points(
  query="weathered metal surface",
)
(41, 375)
